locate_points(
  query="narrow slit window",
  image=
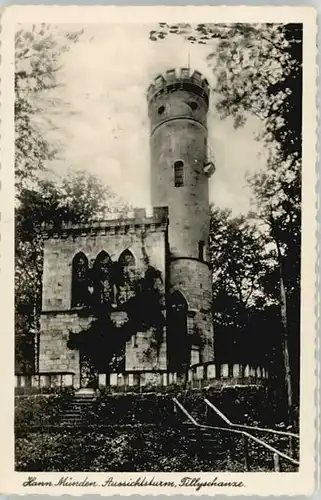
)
(201, 248)
(179, 173)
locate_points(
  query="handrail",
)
(188, 415)
(249, 427)
(235, 431)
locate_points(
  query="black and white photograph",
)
(158, 249)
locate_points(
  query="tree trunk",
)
(285, 347)
(284, 322)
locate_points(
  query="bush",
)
(133, 450)
(133, 408)
(39, 410)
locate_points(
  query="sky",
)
(105, 129)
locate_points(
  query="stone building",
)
(134, 295)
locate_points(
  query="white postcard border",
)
(264, 484)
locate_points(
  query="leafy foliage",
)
(37, 63)
(103, 342)
(39, 410)
(241, 307)
(236, 255)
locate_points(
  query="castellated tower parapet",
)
(181, 78)
(162, 92)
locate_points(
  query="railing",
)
(197, 377)
(43, 381)
(252, 428)
(276, 454)
(248, 427)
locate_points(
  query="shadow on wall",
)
(122, 300)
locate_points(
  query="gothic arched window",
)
(179, 351)
(127, 268)
(79, 289)
(102, 279)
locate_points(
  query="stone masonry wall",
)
(140, 355)
(57, 318)
(182, 140)
(54, 355)
(193, 279)
(59, 252)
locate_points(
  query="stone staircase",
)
(76, 413)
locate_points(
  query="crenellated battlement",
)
(136, 222)
(179, 79)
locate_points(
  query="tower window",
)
(201, 248)
(161, 110)
(193, 105)
(179, 173)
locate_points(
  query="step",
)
(85, 394)
(76, 412)
(83, 401)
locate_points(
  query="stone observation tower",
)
(180, 169)
(148, 276)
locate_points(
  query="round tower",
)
(180, 168)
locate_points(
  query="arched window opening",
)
(178, 302)
(179, 349)
(102, 277)
(179, 173)
(161, 110)
(127, 268)
(201, 250)
(79, 288)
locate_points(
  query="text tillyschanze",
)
(188, 481)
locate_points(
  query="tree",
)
(37, 63)
(236, 255)
(239, 265)
(258, 71)
(277, 205)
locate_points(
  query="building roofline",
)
(157, 222)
